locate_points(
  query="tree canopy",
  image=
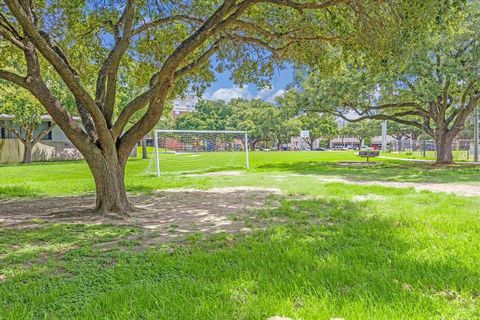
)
(363, 130)
(435, 92)
(166, 47)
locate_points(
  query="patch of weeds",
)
(172, 227)
(130, 242)
(195, 237)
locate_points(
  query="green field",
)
(73, 177)
(327, 249)
(458, 155)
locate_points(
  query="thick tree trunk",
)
(109, 176)
(444, 149)
(144, 149)
(27, 152)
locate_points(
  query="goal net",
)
(178, 151)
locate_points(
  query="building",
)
(54, 146)
(355, 143)
(184, 105)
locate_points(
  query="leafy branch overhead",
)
(163, 48)
(435, 91)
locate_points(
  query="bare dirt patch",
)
(358, 163)
(169, 214)
(460, 189)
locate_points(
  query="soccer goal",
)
(178, 151)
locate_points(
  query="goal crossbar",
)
(241, 132)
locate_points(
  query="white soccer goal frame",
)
(157, 156)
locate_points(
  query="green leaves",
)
(20, 103)
(436, 83)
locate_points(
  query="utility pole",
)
(384, 136)
(475, 135)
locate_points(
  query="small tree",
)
(27, 112)
(209, 115)
(319, 125)
(362, 130)
(253, 116)
(283, 126)
(400, 131)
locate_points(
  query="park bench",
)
(368, 154)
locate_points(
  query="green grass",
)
(458, 155)
(73, 177)
(409, 256)
(329, 250)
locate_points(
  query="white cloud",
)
(269, 94)
(227, 94)
(276, 94)
(265, 93)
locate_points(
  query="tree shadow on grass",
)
(386, 171)
(318, 259)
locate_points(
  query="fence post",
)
(475, 134)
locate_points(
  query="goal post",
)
(212, 148)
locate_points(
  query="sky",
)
(224, 88)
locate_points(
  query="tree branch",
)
(59, 63)
(11, 38)
(392, 117)
(129, 110)
(300, 6)
(162, 21)
(43, 133)
(202, 59)
(106, 87)
(14, 78)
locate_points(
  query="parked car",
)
(320, 149)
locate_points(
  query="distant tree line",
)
(268, 125)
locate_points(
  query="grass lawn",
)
(458, 155)
(73, 177)
(323, 250)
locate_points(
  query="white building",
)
(184, 105)
(54, 146)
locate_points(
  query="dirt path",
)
(169, 214)
(406, 159)
(455, 188)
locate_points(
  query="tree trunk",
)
(310, 142)
(253, 144)
(109, 175)
(144, 149)
(444, 149)
(27, 152)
